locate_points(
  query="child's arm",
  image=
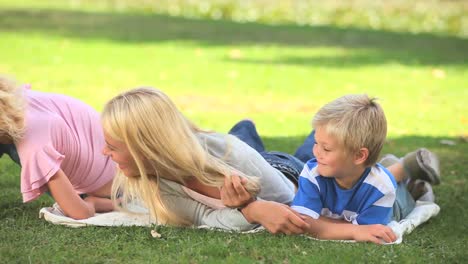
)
(322, 229)
(100, 204)
(66, 197)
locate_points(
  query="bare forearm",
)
(250, 210)
(77, 210)
(330, 229)
(100, 204)
(332, 220)
(63, 193)
(377, 233)
(254, 212)
(82, 210)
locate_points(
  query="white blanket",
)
(421, 213)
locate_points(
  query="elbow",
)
(82, 214)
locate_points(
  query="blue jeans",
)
(10, 149)
(404, 202)
(291, 166)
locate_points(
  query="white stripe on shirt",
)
(387, 200)
(311, 175)
(383, 184)
(306, 211)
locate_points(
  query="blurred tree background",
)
(446, 17)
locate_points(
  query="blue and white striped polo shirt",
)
(370, 200)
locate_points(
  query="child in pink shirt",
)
(58, 140)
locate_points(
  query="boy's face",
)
(332, 159)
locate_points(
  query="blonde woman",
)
(57, 141)
(181, 171)
(187, 176)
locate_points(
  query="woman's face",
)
(119, 153)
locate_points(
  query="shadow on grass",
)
(381, 46)
(453, 158)
(395, 145)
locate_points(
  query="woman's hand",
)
(277, 218)
(233, 193)
(374, 233)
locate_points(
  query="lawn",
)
(220, 71)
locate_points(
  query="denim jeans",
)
(10, 149)
(291, 166)
(404, 202)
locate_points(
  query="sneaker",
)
(421, 191)
(422, 164)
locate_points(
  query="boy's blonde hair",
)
(11, 109)
(357, 121)
(159, 136)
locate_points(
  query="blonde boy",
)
(343, 193)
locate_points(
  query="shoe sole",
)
(429, 163)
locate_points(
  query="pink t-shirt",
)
(61, 133)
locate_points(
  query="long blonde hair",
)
(12, 107)
(163, 143)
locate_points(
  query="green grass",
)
(219, 72)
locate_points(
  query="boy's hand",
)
(374, 234)
(233, 193)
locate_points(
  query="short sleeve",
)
(307, 200)
(37, 169)
(39, 157)
(380, 193)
